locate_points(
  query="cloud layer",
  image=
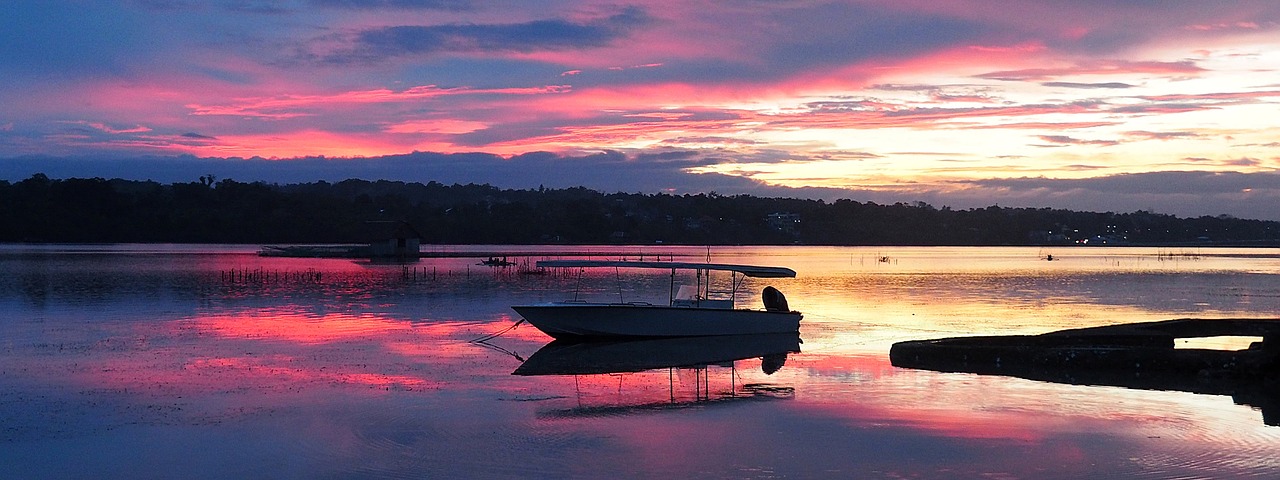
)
(1101, 104)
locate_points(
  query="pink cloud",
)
(288, 106)
(296, 143)
(665, 126)
(434, 126)
(1103, 67)
(1224, 26)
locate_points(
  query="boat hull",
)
(572, 320)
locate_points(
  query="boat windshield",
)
(687, 292)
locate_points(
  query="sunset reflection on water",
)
(132, 362)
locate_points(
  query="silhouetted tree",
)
(40, 209)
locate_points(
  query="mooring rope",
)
(496, 335)
(484, 341)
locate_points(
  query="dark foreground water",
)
(139, 361)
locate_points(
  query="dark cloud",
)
(1079, 167)
(551, 126)
(973, 97)
(673, 156)
(709, 139)
(164, 5)
(1199, 183)
(1181, 193)
(540, 35)
(1066, 140)
(841, 33)
(844, 106)
(1219, 98)
(1161, 108)
(395, 4)
(1244, 162)
(804, 37)
(1142, 134)
(1099, 67)
(54, 39)
(1087, 85)
(893, 87)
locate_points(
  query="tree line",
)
(211, 210)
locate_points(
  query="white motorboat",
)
(692, 310)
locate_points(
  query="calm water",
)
(187, 361)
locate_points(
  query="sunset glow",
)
(1106, 105)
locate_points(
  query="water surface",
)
(207, 361)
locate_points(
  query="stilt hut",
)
(394, 240)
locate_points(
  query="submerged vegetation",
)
(40, 209)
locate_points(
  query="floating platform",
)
(365, 251)
(316, 251)
(1134, 355)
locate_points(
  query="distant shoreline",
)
(96, 210)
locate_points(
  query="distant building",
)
(393, 239)
(1048, 237)
(1105, 240)
(784, 222)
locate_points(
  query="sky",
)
(1166, 106)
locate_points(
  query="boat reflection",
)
(681, 357)
(590, 357)
(749, 392)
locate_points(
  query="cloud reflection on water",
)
(372, 375)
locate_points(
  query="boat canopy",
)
(748, 270)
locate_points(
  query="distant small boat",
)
(496, 262)
(691, 310)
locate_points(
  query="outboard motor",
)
(774, 301)
(772, 363)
